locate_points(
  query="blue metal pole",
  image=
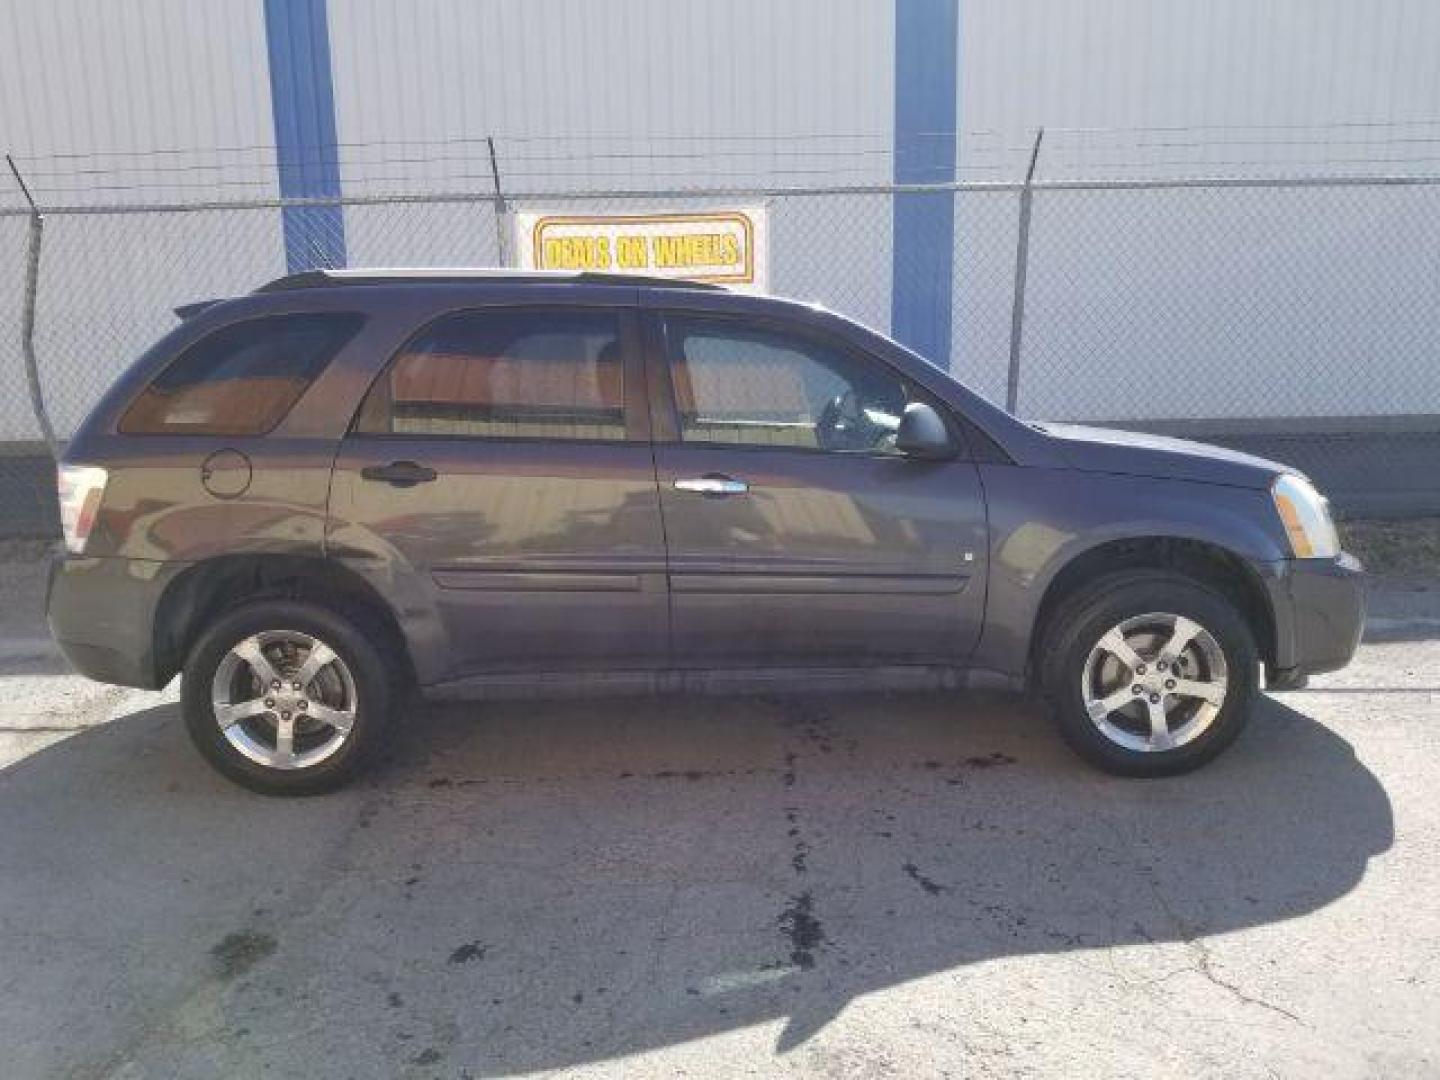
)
(302, 97)
(927, 41)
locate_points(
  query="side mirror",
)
(924, 435)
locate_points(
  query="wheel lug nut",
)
(285, 715)
(1160, 666)
(1169, 684)
(275, 685)
(269, 702)
(303, 706)
(1140, 669)
(1137, 689)
(296, 687)
(1154, 699)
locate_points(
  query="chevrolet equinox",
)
(312, 499)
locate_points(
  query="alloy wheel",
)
(1154, 682)
(284, 699)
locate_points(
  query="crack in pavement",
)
(1204, 965)
(1205, 968)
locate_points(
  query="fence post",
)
(27, 315)
(1022, 263)
(501, 240)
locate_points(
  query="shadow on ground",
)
(524, 887)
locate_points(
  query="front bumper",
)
(1319, 610)
(102, 615)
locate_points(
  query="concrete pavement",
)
(862, 886)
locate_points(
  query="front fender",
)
(1042, 519)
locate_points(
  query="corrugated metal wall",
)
(107, 103)
(683, 90)
(580, 94)
(1123, 86)
(169, 98)
(172, 99)
(1180, 87)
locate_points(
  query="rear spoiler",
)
(189, 311)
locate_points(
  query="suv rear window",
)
(242, 379)
(517, 373)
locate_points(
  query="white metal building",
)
(159, 101)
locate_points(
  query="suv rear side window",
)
(240, 380)
(531, 373)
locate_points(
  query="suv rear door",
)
(797, 534)
(503, 455)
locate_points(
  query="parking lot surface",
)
(841, 886)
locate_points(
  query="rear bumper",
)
(102, 615)
(1319, 609)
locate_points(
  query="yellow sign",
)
(725, 247)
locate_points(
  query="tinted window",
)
(553, 374)
(758, 387)
(241, 380)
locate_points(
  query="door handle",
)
(400, 473)
(713, 484)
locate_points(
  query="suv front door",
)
(798, 535)
(503, 458)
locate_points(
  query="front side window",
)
(759, 387)
(242, 379)
(529, 373)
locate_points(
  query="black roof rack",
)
(328, 279)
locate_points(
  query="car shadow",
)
(523, 887)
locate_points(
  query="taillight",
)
(81, 489)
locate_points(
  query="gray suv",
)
(313, 499)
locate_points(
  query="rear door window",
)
(505, 373)
(242, 379)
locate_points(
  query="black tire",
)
(1077, 626)
(374, 680)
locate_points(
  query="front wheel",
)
(1150, 673)
(285, 697)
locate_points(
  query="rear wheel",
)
(286, 697)
(1150, 673)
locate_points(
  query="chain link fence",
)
(1289, 318)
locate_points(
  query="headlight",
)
(81, 489)
(1306, 515)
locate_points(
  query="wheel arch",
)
(1213, 565)
(196, 597)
